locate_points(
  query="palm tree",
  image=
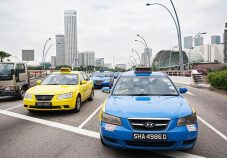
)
(4, 55)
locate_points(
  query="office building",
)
(53, 61)
(225, 43)
(60, 50)
(215, 39)
(145, 56)
(28, 55)
(71, 55)
(86, 58)
(121, 66)
(188, 42)
(99, 62)
(198, 41)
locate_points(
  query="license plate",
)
(149, 136)
(99, 83)
(43, 104)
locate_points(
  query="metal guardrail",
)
(178, 73)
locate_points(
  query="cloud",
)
(107, 27)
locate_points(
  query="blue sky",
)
(105, 26)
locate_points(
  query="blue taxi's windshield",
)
(61, 79)
(145, 86)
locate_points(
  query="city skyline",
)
(43, 21)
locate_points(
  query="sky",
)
(108, 27)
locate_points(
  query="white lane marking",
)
(212, 128)
(14, 107)
(179, 154)
(52, 124)
(90, 117)
(190, 93)
(83, 131)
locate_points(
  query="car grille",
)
(44, 97)
(149, 124)
(150, 144)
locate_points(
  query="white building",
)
(108, 65)
(145, 56)
(99, 62)
(71, 55)
(60, 50)
(86, 58)
(53, 61)
(121, 66)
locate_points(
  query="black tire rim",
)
(78, 102)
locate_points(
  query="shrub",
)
(218, 79)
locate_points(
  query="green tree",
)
(4, 55)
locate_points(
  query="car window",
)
(81, 77)
(61, 79)
(145, 85)
(85, 76)
(20, 68)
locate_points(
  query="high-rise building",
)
(86, 58)
(225, 43)
(60, 50)
(71, 55)
(198, 41)
(215, 39)
(145, 56)
(188, 42)
(99, 62)
(53, 61)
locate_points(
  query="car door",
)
(87, 87)
(82, 88)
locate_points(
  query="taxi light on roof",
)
(65, 69)
(143, 69)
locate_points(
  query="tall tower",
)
(60, 50)
(71, 54)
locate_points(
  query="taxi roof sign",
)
(65, 69)
(142, 69)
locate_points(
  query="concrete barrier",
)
(182, 80)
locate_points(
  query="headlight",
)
(65, 96)
(28, 96)
(111, 119)
(187, 120)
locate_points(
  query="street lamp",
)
(44, 49)
(146, 47)
(177, 24)
(46, 55)
(137, 55)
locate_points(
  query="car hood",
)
(147, 106)
(52, 89)
(100, 78)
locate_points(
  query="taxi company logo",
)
(149, 124)
(43, 97)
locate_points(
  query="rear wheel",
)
(91, 95)
(21, 93)
(78, 104)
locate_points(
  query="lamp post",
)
(137, 55)
(177, 24)
(44, 49)
(46, 55)
(146, 47)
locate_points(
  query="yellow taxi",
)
(62, 90)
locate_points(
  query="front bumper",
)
(8, 93)
(64, 104)
(122, 137)
(102, 84)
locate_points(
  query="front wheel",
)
(78, 104)
(21, 93)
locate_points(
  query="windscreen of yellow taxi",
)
(61, 79)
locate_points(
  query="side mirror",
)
(38, 82)
(106, 89)
(183, 90)
(12, 71)
(84, 82)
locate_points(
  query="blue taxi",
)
(103, 79)
(145, 110)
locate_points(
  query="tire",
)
(78, 104)
(91, 95)
(21, 93)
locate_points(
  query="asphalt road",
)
(67, 134)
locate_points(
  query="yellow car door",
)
(83, 88)
(87, 87)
